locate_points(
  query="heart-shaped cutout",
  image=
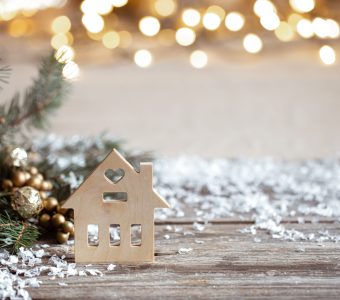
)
(114, 175)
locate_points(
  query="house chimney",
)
(146, 172)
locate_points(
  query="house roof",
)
(96, 180)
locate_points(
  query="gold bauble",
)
(46, 185)
(62, 237)
(35, 181)
(44, 220)
(33, 170)
(7, 184)
(27, 202)
(50, 204)
(18, 178)
(61, 210)
(43, 194)
(68, 227)
(57, 220)
(27, 176)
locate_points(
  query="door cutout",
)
(92, 235)
(114, 235)
(136, 235)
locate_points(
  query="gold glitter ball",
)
(27, 202)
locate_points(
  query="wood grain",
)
(227, 265)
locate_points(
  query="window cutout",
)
(114, 235)
(113, 197)
(92, 235)
(114, 175)
(136, 235)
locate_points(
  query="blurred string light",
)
(149, 26)
(284, 32)
(165, 8)
(71, 70)
(143, 58)
(111, 39)
(119, 3)
(171, 22)
(185, 36)
(302, 6)
(198, 59)
(305, 28)
(191, 17)
(10, 8)
(234, 21)
(252, 43)
(213, 17)
(327, 55)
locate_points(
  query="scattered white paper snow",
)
(111, 267)
(184, 250)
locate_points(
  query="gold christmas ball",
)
(7, 184)
(35, 182)
(46, 185)
(50, 204)
(44, 220)
(27, 175)
(68, 227)
(18, 178)
(61, 210)
(27, 202)
(62, 237)
(33, 170)
(57, 220)
(43, 194)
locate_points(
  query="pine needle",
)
(15, 233)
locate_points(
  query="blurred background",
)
(213, 78)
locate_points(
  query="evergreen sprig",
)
(5, 72)
(46, 94)
(15, 233)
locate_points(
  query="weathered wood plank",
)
(227, 264)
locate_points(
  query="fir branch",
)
(5, 72)
(15, 233)
(46, 94)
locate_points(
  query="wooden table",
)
(223, 263)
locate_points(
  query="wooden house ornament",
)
(119, 203)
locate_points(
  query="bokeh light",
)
(125, 39)
(93, 22)
(61, 24)
(149, 26)
(270, 21)
(211, 21)
(262, 7)
(302, 6)
(143, 58)
(71, 70)
(165, 8)
(327, 55)
(59, 40)
(64, 54)
(198, 59)
(119, 3)
(191, 17)
(111, 39)
(333, 28)
(234, 21)
(252, 43)
(320, 27)
(185, 36)
(18, 27)
(284, 32)
(305, 28)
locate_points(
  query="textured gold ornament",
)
(57, 220)
(50, 204)
(27, 202)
